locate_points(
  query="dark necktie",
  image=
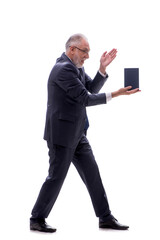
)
(81, 74)
(86, 121)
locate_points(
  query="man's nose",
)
(87, 55)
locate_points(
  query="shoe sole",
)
(109, 227)
(50, 231)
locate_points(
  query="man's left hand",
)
(106, 59)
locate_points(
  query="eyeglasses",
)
(84, 51)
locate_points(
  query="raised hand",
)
(106, 59)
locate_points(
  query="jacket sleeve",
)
(68, 80)
(95, 85)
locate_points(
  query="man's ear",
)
(72, 49)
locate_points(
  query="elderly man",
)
(70, 91)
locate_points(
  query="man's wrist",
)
(102, 69)
(115, 94)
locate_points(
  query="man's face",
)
(80, 53)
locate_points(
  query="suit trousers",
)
(60, 159)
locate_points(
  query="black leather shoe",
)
(42, 226)
(112, 223)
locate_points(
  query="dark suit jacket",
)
(68, 97)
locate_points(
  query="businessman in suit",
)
(70, 91)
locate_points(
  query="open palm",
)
(107, 58)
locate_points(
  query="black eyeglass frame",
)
(84, 51)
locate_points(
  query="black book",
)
(131, 77)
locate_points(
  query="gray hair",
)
(74, 39)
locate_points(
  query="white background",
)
(124, 134)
